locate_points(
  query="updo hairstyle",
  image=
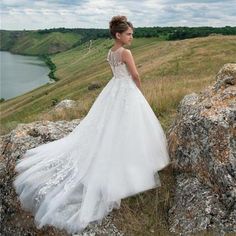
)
(119, 24)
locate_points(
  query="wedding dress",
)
(113, 153)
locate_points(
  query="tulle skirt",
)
(113, 153)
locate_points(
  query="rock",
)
(202, 144)
(225, 77)
(63, 105)
(15, 221)
(201, 207)
(67, 103)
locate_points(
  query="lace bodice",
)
(118, 67)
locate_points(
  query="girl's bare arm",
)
(127, 57)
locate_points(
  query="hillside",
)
(36, 42)
(33, 43)
(168, 70)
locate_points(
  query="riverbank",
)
(51, 65)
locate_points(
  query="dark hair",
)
(119, 24)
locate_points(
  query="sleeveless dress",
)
(113, 153)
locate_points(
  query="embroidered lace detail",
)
(114, 58)
(60, 171)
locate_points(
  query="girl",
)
(114, 152)
(122, 31)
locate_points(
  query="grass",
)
(146, 213)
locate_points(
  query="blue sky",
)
(40, 14)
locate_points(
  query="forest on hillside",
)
(171, 33)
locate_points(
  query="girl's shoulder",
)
(116, 50)
(126, 52)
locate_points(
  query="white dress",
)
(113, 153)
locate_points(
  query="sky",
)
(40, 14)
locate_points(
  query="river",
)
(20, 74)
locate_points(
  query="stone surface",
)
(67, 103)
(64, 104)
(202, 143)
(15, 221)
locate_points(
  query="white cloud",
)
(40, 14)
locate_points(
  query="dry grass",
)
(146, 213)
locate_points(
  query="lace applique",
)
(114, 58)
(61, 169)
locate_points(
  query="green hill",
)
(34, 43)
(168, 71)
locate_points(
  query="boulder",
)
(202, 145)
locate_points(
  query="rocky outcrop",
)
(15, 221)
(202, 143)
(64, 104)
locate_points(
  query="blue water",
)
(20, 74)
